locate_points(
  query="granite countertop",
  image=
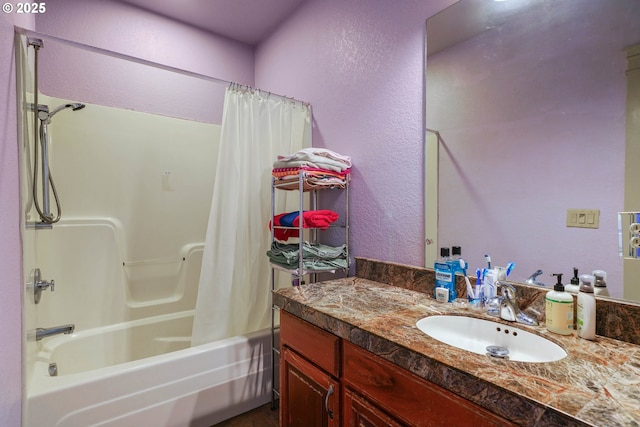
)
(597, 384)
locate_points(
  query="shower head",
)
(74, 107)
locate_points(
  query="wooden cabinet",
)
(309, 395)
(326, 381)
(309, 368)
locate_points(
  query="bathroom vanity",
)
(316, 365)
(351, 355)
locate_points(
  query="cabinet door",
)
(358, 412)
(309, 396)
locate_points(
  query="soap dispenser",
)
(559, 309)
(574, 287)
(600, 283)
(586, 319)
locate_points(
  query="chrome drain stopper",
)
(497, 351)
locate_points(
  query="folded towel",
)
(317, 257)
(319, 163)
(311, 219)
(319, 219)
(308, 171)
(284, 234)
(315, 158)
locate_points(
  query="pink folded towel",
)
(318, 219)
(311, 219)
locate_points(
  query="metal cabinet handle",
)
(326, 401)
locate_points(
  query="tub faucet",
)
(509, 309)
(56, 330)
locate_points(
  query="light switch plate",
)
(583, 218)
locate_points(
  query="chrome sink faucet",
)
(56, 330)
(509, 309)
(532, 279)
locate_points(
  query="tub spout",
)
(56, 330)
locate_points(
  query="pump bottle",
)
(586, 321)
(559, 309)
(574, 287)
(600, 283)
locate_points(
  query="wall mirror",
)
(529, 101)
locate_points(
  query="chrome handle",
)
(39, 285)
(326, 401)
(534, 275)
(43, 284)
(506, 290)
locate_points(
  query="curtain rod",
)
(241, 86)
(124, 56)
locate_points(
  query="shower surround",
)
(135, 193)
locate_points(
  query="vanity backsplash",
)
(615, 319)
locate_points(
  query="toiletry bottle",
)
(586, 317)
(458, 265)
(600, 283)
(477, 291)
(574, 287)
(559, 309)
(456, 256)
(491, 301)
(445, 277)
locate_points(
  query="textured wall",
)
(360, 64)
(126, 29)
(10, 309)
(86, 76)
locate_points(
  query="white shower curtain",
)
(233, 293)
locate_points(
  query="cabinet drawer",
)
(318, 346)
(408, 397)
(358, 412)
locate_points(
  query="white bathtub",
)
(119, 376)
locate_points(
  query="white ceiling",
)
(248, 21)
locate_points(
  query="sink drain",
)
(498, 351)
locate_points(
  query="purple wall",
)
(360, 64)
(129, 30)
(80, 75)
(10, 251)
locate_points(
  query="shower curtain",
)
(233, 293)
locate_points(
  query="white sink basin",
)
(487, 337)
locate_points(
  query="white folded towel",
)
(315, 157)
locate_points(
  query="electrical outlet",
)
(583, 218)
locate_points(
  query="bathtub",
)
(143, 373)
